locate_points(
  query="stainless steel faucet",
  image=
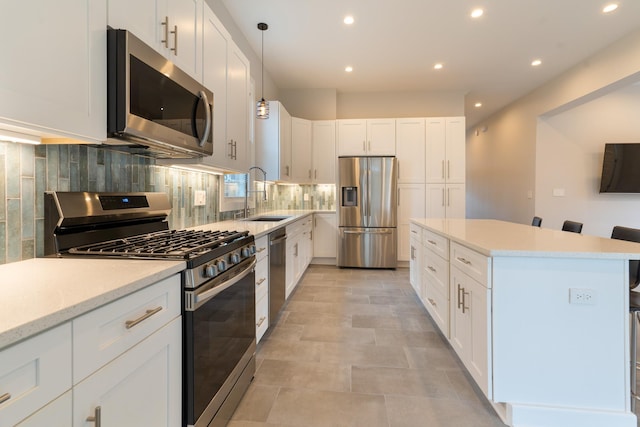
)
(247, 191)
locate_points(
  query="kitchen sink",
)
(268, 218)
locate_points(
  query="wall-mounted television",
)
(621, 169)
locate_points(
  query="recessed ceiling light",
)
(348, 20)
(349, 69)
(438, 66)
(536, 62)
(610, 7)
(477, 13)
(478, 104)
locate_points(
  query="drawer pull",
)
(131, 323)
(96, 417)
(432, 269)
(432, 302)
(261, 321)
(464, 260)
(5, 397)
(261, 281)
(260, 250)
(432, 242)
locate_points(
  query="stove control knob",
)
(252, 249)
(234, 258)
(221, 265)
(210, 271)
(246, 252)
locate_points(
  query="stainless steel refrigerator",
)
(367, 198)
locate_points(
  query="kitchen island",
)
(539, 317)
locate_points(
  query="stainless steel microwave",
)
(154, 108)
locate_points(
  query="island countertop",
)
(500, 238)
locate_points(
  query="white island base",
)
(539, 317)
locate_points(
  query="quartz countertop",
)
(260, 228)
(500, 238)
(40, 293)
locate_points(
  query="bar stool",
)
(632, 235)
(537, 221)
(572, 226)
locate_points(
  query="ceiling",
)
(393, 45)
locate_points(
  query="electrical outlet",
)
(582, 296)
(199, 198)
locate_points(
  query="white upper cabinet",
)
(370, 137)
(323, 136)
(301, 150)
(172, 27)
(238, 109)
(53, 79)
(410, 150)
(273, 143)
(445, 155)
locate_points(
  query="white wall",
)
(569, 153)
(362, 105)
(310, 104)
(502, 164)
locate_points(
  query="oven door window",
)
(217, 336)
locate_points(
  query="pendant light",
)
(262, 107)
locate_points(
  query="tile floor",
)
(356, 348)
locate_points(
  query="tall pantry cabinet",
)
(431, 172)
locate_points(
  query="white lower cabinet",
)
(142, 387)
(55, 414)
(410, 205)
(121, 363)
(325, 235)
(299, 251)
(33, 373)
(435, 279)
(415, 257)
(262, 286)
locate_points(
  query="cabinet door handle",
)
(296, 252)
(165, 24)
(432, 302)
(448, 197)
(230, 144)
(369, 147)
(448, 168)
(398, 197)
(432, 242)
(261, 281)
(287, 167)
(131, 323)
(175, 40)
(463, 260)
(315, 173)
(5, 397)
(260, 250)
(464, 301)
(96, 417)
(460, 290)
(413, 250)
(432, 269)
(443, 197)
(364, 146)
(443, 169)
(261, 321)
(309, 173)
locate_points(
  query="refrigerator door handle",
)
(368, 232)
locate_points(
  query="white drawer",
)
(33, 373)
(437, 305)
(262, 247)
(436, 243)
(262, 317)
(472, 263)
(415, 232)
(262, 278)
(106, 332)
(436, 272)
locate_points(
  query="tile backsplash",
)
(27, 171)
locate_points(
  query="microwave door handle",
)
(207, 128)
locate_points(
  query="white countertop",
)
(260, 228)
(40, 293)
(500, 238)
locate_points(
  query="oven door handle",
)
(200, 298)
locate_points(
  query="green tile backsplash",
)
(27, 171)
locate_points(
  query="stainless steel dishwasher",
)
(277, 268)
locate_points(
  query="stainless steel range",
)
(219, 290)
